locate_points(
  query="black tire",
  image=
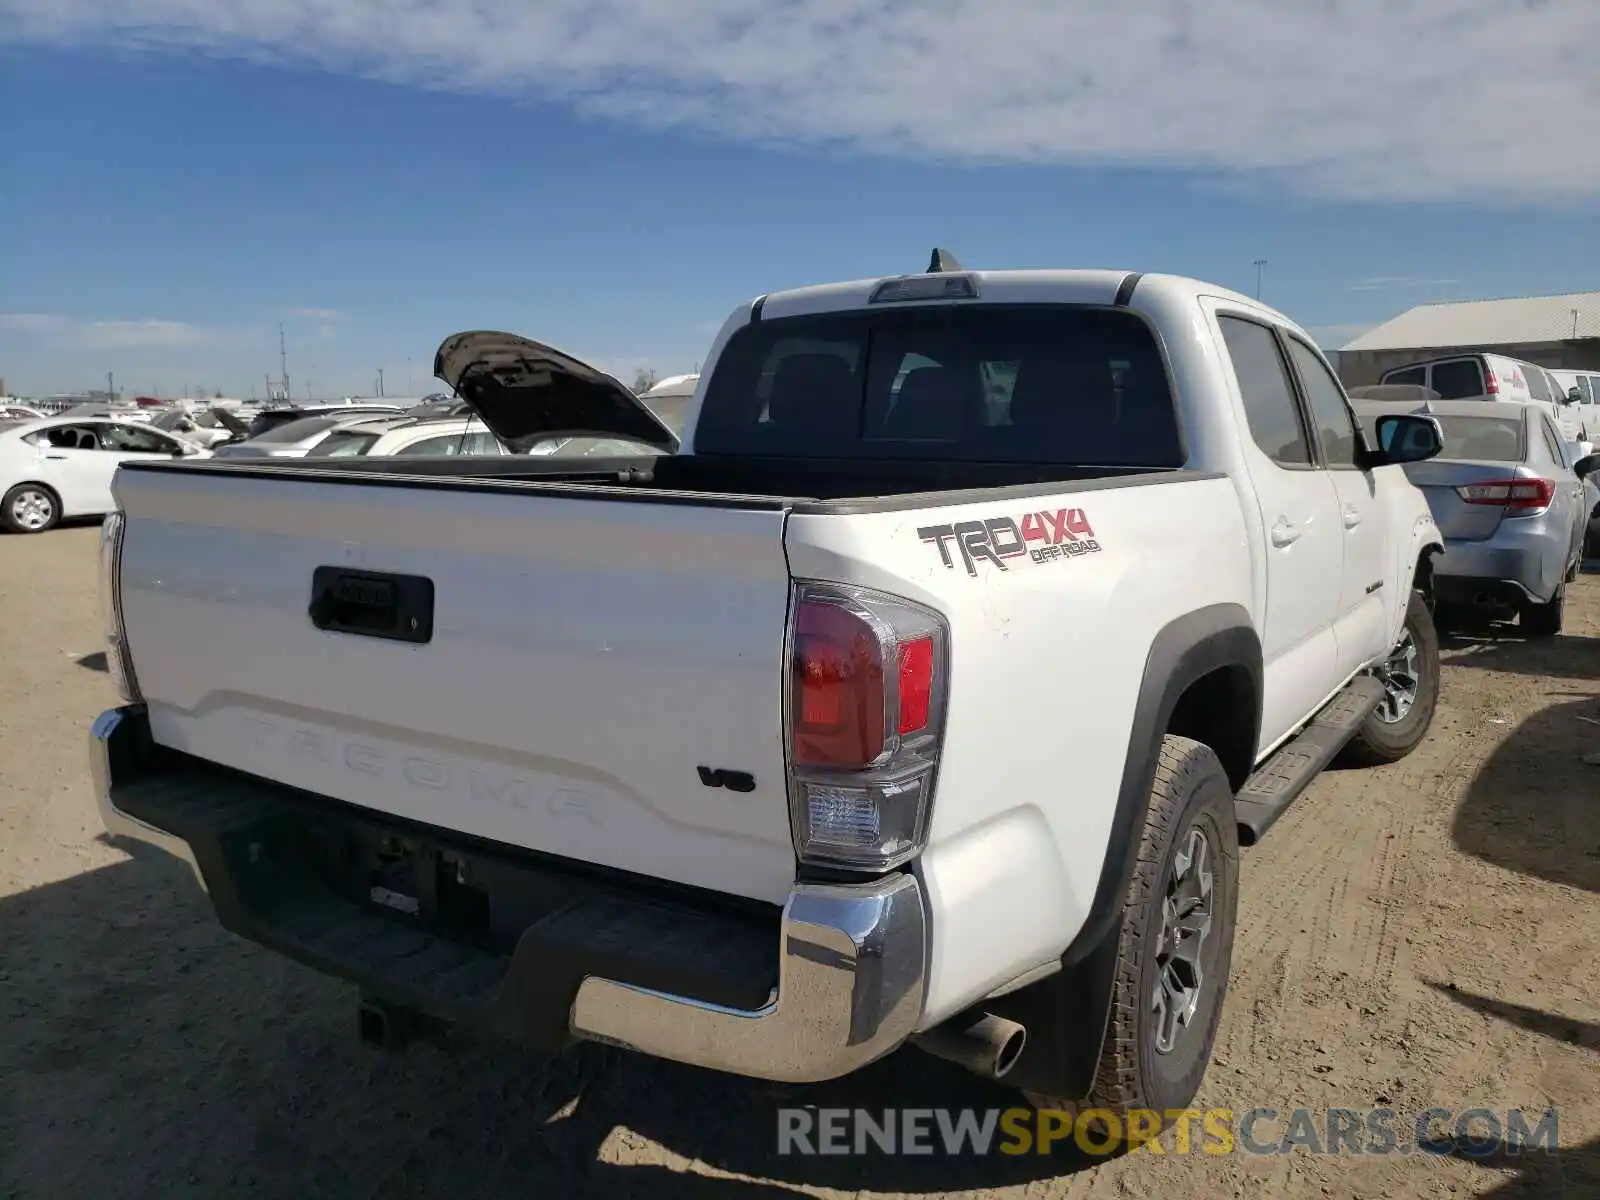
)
(1191, 794)
(1382, 740)
(10, 508)
(1543, 620)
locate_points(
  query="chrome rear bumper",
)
(852, 968)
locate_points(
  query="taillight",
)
(1516, 496)
(1491, 385)
(118, 665)
(868, 675)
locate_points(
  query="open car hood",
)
(526, 391)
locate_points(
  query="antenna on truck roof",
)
(942, 261)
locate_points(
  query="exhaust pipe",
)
(987, 1046)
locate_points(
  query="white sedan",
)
(63, 466)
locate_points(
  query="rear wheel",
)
(1175, 946)
(1410, 678)
(1544, 620)
(29, 508)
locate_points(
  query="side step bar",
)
(1280, 780)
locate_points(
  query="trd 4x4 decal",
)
(1041, 536)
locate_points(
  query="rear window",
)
(1458, 380)
(1040, 384)
(343, 444)
(294, 431)
(1482, 439)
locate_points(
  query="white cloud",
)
(140, 335)
(1385, 283)
(1432, 100)
(56, 329)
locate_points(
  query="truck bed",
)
(840, 485)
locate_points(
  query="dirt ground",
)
(1421, 934)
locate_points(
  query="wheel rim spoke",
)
(1401, 680)
(1185, 926)
(32, 510)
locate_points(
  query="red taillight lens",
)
(1491, 385)
(838, 702)
(868, 684)
(916, 684)
(1524, 495)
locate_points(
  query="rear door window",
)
(1270, 408)
(1458, 379)
(1552, 442)
(1049, 384)
(1537, 385)
(1336, 428)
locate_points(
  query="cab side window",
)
(1336, 428)
(1269, 402)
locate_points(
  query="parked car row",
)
(59, 467)
(1496, 377)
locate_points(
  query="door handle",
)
(1285, 533)
(55, 458)
(1352, 517)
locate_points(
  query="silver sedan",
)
(1508, 496)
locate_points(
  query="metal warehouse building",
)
(1553, 331)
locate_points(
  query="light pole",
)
(1259, 264)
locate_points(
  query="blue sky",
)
(163, 210)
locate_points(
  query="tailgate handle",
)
(372, 604)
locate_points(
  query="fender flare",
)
(1068, 1012)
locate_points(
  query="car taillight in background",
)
(118, 664)
(1516, 496)
(1491, 385)
(868, 677)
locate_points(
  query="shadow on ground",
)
(1467, 640)
(1534, 805)
(147, 1052)
(94, 662)
(1538, 1175)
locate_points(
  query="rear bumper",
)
(1491, 572)
(582, 958)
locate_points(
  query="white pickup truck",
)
(924, 694)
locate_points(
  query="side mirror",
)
(1574, 395)
(1406, 439)
(1586, 466)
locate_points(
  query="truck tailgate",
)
(588, 657)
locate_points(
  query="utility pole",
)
(380, 383)
(111, 389)
(409, 390)
(1259, 264)
(283, 361)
